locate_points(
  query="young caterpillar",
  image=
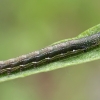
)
(50, 53)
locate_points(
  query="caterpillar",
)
(49, 54)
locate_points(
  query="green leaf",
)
(93, 54)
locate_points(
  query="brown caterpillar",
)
(50, 53)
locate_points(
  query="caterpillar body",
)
(50, 53)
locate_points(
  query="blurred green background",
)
(29, 25)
